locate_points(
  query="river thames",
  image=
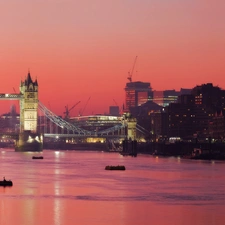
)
(73, 187)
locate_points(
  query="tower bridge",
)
(37, 122)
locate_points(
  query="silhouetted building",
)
(10, 122)
(210, 96)
(145, 109)
(159, 124)
(194, 114)
(217, 126)
(188, 113)
(164, 98)
(137, 93)
(180, 119)
(143, 114)
(114, 110)
(158, 97)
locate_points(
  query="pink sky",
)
(85, 48)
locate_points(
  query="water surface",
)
(73, 187)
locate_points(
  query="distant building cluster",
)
(9, 122)
(187, 114)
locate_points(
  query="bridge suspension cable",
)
(111, 129)
(78, 131)
(60, 122)
(142, 129)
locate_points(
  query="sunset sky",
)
(81, 49)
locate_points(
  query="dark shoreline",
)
(210, 151)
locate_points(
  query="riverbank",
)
(207, 151)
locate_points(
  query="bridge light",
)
(37, 139)
(6, 95)
(30, 139)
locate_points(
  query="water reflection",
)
(72, 187)
(57, 212)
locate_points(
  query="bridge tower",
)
(130, 143)
(29, 138)
(131, 128)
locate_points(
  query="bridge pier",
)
(130, 142)
(29, 142)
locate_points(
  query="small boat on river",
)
(133, 154)
(119, 167)
(37, 157)
(5, 182)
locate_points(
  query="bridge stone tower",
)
(130, 143)
(131, 128)
(29, 138)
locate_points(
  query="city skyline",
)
(84, 50)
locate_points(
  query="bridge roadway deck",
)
(83, 135)
(11, 96)
(49, 135)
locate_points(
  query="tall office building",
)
(164, 98)
(136, 94)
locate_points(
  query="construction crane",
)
(81, 112)
(68, 110)
(115, 102)
(49, 106)
(130, 74)
(120, 109)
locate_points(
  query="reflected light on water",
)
(57, 212)
(157, 159)
(72, 187)
(57, 153)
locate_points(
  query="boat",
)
(133, 154)
(119, 167)
(5, 182)
(37, 157)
